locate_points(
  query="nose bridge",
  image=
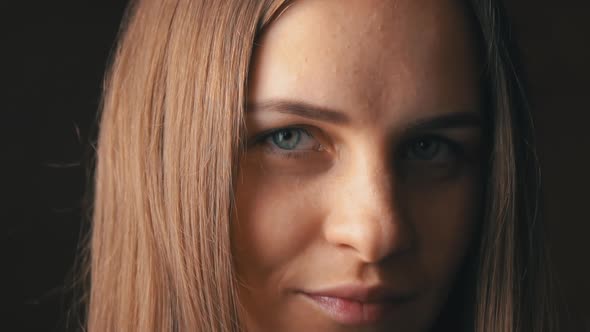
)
(376, 180)
(367, 217)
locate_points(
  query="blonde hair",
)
(172, 114)
(170, 138)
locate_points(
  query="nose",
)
(366, 216)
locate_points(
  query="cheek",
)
(275, 222)
(444, 219)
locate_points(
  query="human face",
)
(359, 188)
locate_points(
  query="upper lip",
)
(363, 293)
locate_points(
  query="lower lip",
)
(350, 312)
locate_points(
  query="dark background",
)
(46, 128)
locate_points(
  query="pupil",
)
(426, 149)
(287, 139)
(424, 145)
(286, 135)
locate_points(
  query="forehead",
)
(368, 54)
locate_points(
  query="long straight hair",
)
(171, 132)
(514, 283)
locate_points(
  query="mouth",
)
(352, 305)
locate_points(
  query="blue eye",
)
(287, 138)
(290, 142)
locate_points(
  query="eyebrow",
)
(461, 119)
(458, 119)
(300, 109)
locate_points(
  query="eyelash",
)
(264, 137)
(456, 149)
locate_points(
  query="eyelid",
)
(264, 137)
(456, 148)
(441, 138)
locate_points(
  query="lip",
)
(358, 305)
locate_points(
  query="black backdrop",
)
(46, 128)
(62, 49)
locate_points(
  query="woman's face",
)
(360, 186)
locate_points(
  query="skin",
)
(363, 200)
